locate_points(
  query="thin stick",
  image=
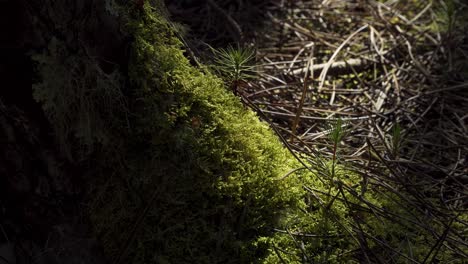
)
(303, 95)
(323, 74)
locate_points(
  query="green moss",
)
(184, 173)
(201, 168)
(342, 222)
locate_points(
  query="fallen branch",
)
(338, 66)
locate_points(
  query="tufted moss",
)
(184, 173)
(200, 179)
(342, 223)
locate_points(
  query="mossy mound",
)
(199, 183)
(182, 172)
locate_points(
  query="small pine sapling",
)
(235, 65)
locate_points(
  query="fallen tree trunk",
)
(119, 138)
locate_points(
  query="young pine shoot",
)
(336, 135)
(235, 65)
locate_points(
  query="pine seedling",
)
(337, 132)
(234, 65)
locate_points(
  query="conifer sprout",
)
(234, 64)
(337, 133)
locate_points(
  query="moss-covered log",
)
(200, 178)
(172, 167)
(121, 151)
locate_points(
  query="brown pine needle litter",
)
(396, 73)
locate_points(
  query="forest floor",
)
(394, 73)
(378, 87)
